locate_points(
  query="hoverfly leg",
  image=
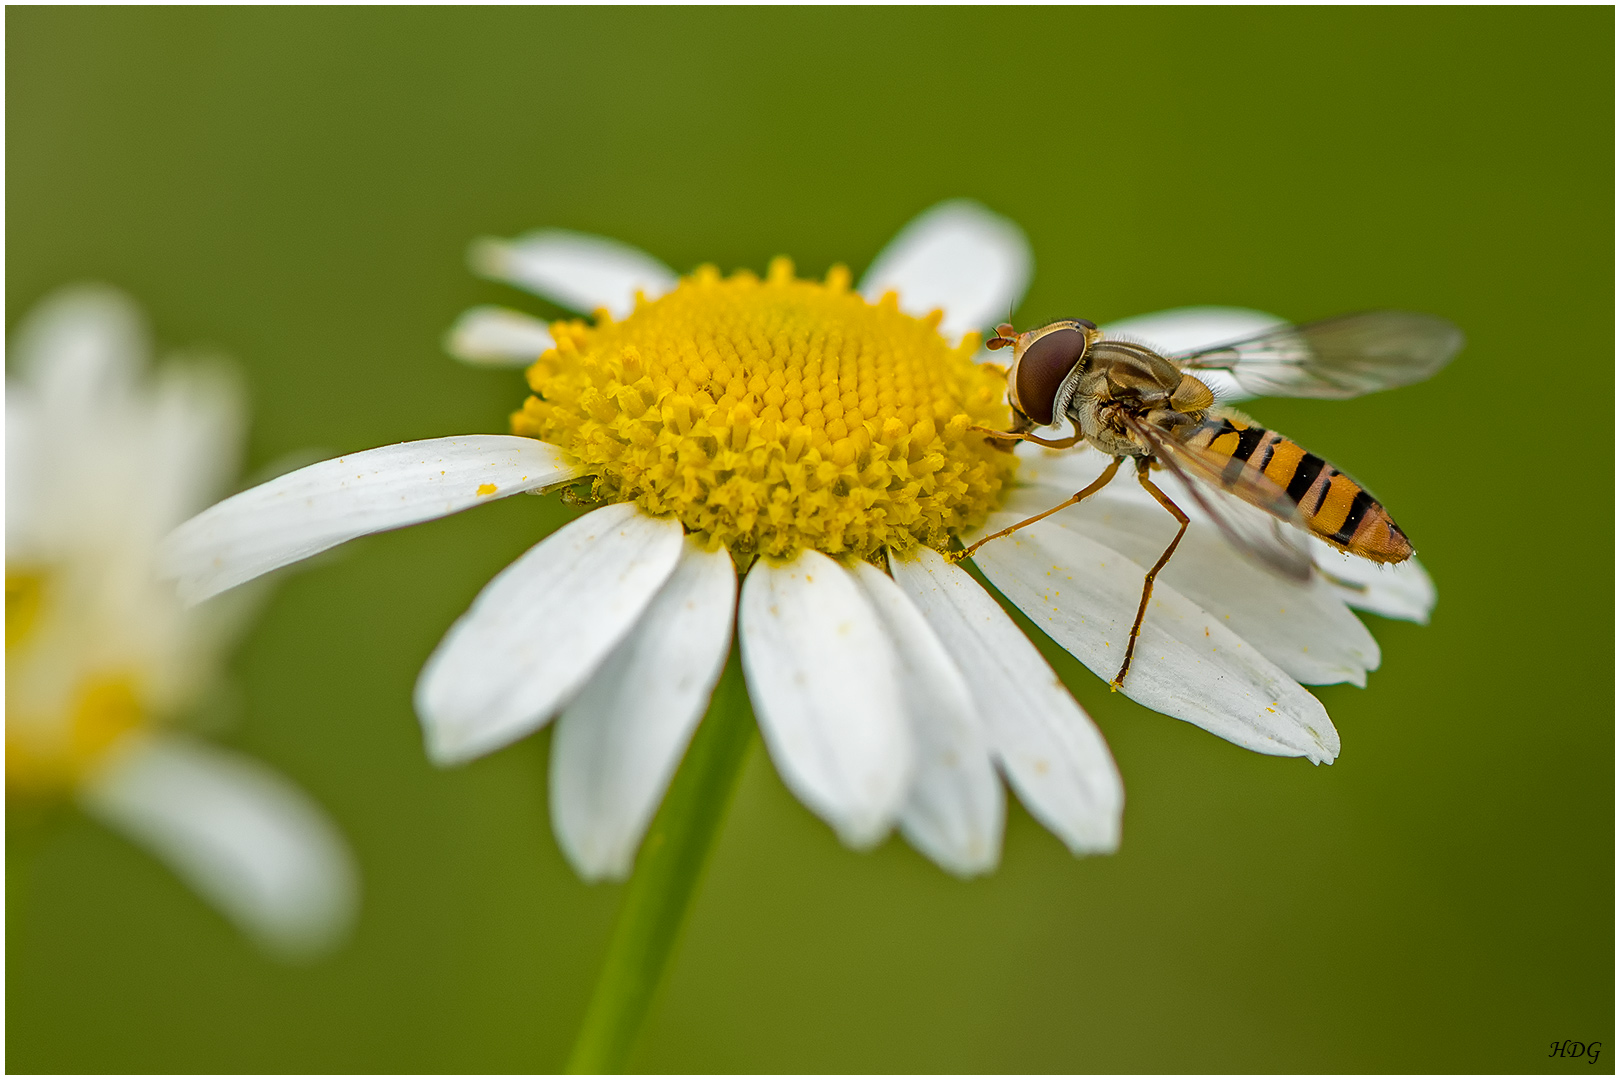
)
(1142, 465)
(1020, 436)
(1090, 489)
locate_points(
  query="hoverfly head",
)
(1043, 361)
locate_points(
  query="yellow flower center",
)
(775, 415)
(50, 750)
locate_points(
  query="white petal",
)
(1305, 629)
(576, 270)
(491, 336)
(955, 809)
(1401, 591)
(307, 511)
(26, 462)
(195, 424)
(826, 688)
(1187, 664)
(618, 744)
(1188, 328)
(81, 346)
(957, 256)
(100, 446)
(1050, 750)
(252, 844)
(1074, 468)
(540, 629)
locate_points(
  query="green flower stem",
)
(666, 876)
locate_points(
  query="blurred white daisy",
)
(102, 460)
(818, 439)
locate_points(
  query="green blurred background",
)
(298, 188)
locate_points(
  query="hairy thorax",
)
(1123, 381)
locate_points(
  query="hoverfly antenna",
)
(1006, 335)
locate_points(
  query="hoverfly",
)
(1131, 402)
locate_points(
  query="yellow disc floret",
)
(776, 415)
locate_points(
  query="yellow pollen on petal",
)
(777, 414)
(487, 489)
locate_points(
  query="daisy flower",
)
(102, 657)
(815, 441)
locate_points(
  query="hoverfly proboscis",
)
(1129, 401)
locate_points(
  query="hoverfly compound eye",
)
(1042, 369)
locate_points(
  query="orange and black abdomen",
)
(1335, 507)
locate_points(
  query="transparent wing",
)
(1335, 358)
(1254, 514)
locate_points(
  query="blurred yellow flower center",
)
(24, 592)
(775, 415)
(48, 751)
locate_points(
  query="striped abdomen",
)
(1335, 507)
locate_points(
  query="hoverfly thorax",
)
(1045, 363)
(1138, 376)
